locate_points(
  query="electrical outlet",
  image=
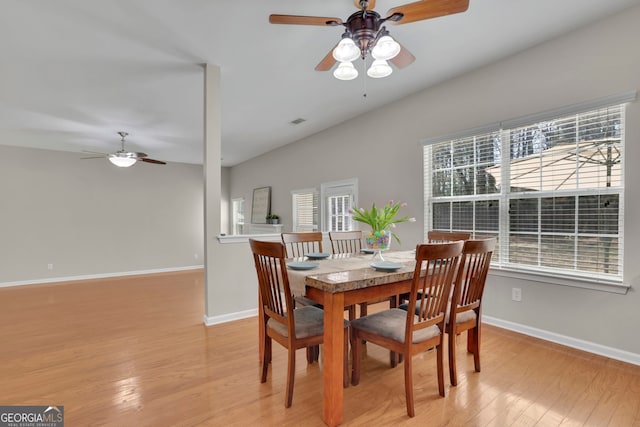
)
(195, 256)
(516, 294)
(49, 266)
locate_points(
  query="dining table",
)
(338, 281)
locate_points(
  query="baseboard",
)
(610, 352)
(98, 276)
(215, 320)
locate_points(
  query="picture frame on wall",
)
(260, 205)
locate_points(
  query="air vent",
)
(297, 121)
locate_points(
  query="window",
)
(305, 210)
(335, 201)
(550, 190)
(237, 216)
(338, 215)
(338, 198)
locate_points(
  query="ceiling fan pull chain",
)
(364, 69)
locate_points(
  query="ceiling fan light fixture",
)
(345, 71)
(379, 69)
(346, 51)
(122, 161)
(386, 48)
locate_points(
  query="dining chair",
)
(405, 332)
(346, 242)
(466, 303)
(293, 328)
(350, 242)
(299, 244)
(434, 236)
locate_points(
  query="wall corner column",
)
(213, 179)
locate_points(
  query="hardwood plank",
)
(134, 351)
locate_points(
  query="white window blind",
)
(305, 210)
(551, 191)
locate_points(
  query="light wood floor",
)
(134, 352)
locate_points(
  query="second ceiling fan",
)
(365, 34)
(124, 158)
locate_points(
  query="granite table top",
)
(341, 273)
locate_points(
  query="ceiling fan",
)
(365, 34)
(123, 158)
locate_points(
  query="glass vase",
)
(377, 241)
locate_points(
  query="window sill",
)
(244, 238)
(554, 279)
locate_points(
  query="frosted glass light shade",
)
(345, 71)
(385, 48)
(346, 51)
(379, 69)
(121, 161)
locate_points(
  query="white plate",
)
(302, 265)
(386, 266)
(317, 255)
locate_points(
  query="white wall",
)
(88, 217)
(591, 63)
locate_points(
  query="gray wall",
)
(591, 63)
(88, 217)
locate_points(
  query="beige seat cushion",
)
(463, 317)
(309, 322)
(391, 324)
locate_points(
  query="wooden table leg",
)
(333, 358)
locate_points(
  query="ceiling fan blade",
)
(140, 155)
(428, 9)
(93, 157)
(371, 5)
(94, 152)
(154, 161)
(403, 58)
(304, 20)
(327, 62)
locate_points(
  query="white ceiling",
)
(75, 72)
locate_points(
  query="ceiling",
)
(75, 72)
